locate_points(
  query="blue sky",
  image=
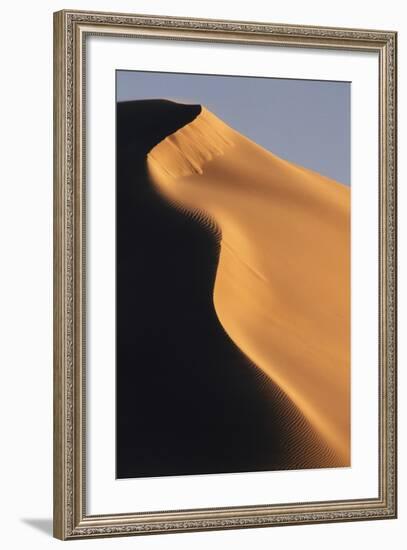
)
(304, 121)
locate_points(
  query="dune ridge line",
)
(282, 288)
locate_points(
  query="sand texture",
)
(282, 288)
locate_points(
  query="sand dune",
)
(282, 284)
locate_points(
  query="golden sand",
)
(282, 284)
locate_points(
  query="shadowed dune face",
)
(281, 290)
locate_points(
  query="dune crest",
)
(186, 151)
(282, 283)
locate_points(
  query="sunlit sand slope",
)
(282, 284)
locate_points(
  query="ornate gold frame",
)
(70, 31)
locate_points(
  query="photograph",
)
(224, 274)
(203, 229)
(233, 274)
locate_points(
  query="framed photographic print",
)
(225, 274)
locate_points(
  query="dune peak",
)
(186, 151)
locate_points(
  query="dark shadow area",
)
(40, 524)
(188, 401)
